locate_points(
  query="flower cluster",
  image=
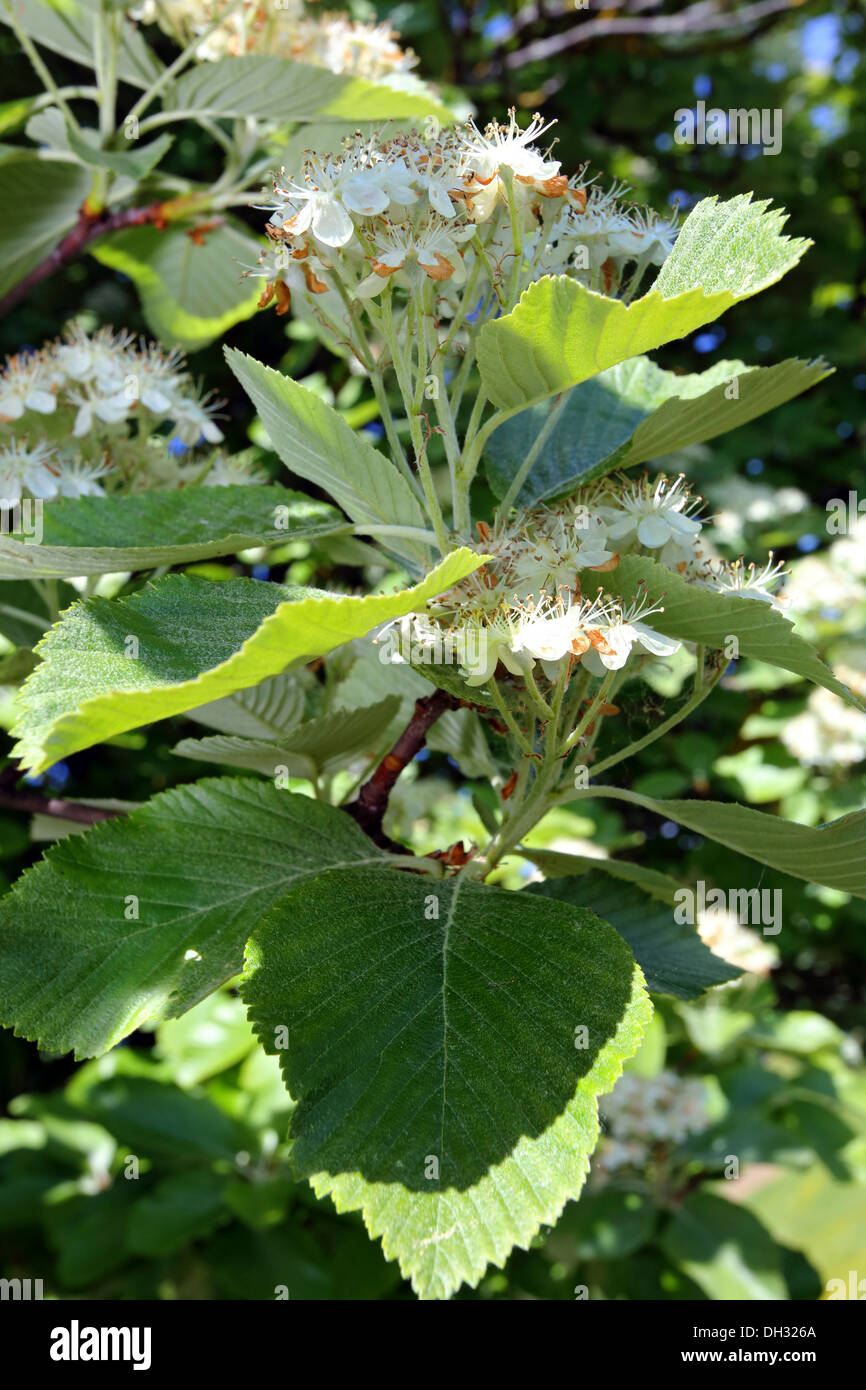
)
(67, 413)
(642, 1112)
(332, 41)
(731, 940)
(535, 600)
(480, 214)
(828, 733)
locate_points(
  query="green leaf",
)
(104, 535)
(694, 614)
(88, 1233)
(460, 734)
(561, 333)
(725, 1249)
(196, 641)
(180, 1209)
(671, 955)
(315, 443)
(135, 162)
(203, 861)
(68, 27)
(14, 113)
(315, 748)
(634, 412)
(157, 1120)
(436, 1061)
(34, 222)
(191, 291)
(208, 1039)
(824, 1218)
(607, 1225)
(265, 711)
(25, 613)
(831, 854)
(554, 864)
(281, 91)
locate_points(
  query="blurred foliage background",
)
(768, 1070)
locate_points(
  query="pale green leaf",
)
(312, 749)
(695, 614)
(315, 443)
(264, 711)
(460, 734)
(136, 162)
(196, 641)
(440, 1078)
(824, 1218)
(832, 854)
(67, 27)
(556, 864)
(105, 535)
(25, 613)
(725, 1250)
(191, 290)
(671, 955)
(561, 333)
(633, 412)
(33, 222)
(280, 91)
(204, 862)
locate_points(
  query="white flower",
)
(507, 147)
(27, 469)
(231, 472)
(828, 733)
(747, 581)
(433, 245)
(28, 383)
(655, 513)
(613, 637)
(79, 479)
(193, 422)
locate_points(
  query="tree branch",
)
(32, 803)
(88, 227)
(372, 801)
(707, 16)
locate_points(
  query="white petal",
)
(685, 525)
(155, 400)
(362, 194)
(331, 223)
(42, 401)
(440, 202)
(654, 641)
(653, 531)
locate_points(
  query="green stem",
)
(598, 700)
(183, 59)
(508, 717)
(543, 710)
(700, 692)
(39, 67)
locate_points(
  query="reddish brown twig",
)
(89, 226)
(696, 20)
(372, 801)
(32, 803)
